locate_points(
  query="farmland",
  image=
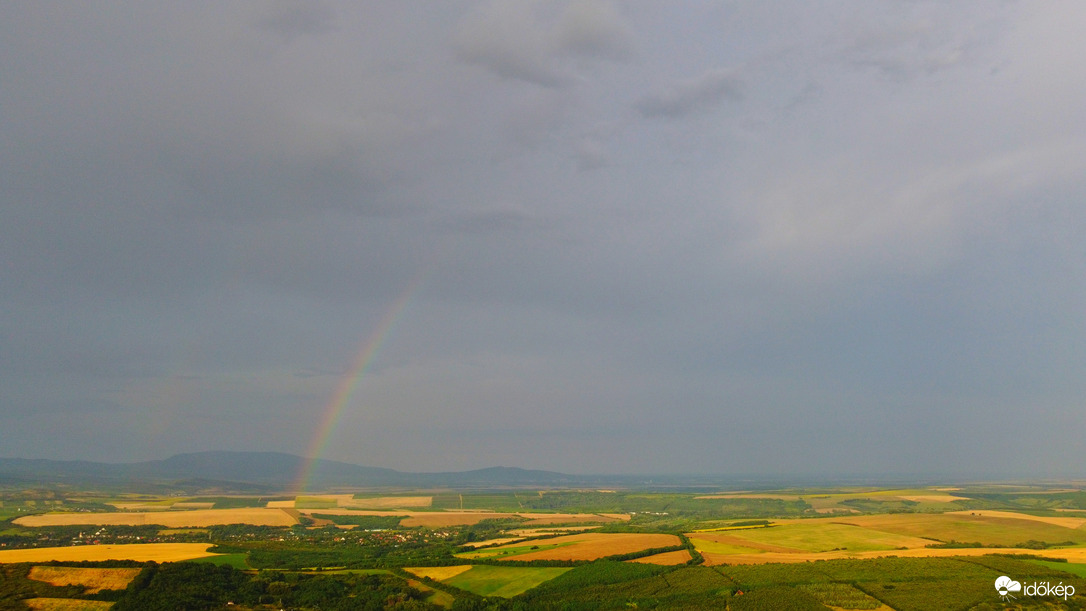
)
(150, 552)
(812, 549)
(171, 519)
(66, 604)
(94, 579)
(586, 546)
(486, 580)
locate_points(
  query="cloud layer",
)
(733, 239)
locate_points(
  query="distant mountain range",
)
(263, 472)
(207, 473)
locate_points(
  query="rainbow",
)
(349, 381)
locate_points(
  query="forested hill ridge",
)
(268, 471)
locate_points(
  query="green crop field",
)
(503, 581)
(716, 547)
(966, 528)
(494, 501)
(238, 561)
(308, 502)
(1067, 567)
(823, 535)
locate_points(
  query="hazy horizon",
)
(583, 236)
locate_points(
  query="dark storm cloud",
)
(796, 238)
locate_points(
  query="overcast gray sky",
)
(730, 237)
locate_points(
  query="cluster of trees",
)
(198, 586)
(363, 522)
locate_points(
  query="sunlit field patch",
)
(439, 573)
(583, 546)
(716, 544)
(666, 558)
(66, 604)
(94, 579)
(1066, 522)
(158, 552)
(906, 535)
(504, 581)
(822, 536)
(196, 518)
(965, 527)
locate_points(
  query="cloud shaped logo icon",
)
(1005, 585)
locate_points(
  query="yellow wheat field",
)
(94, 579)
(66, 604)
(140, 552)
(257, 516)
(667, 558)
(439, 573)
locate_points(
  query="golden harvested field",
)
(94, 579)
(591, 546)
(66, 604)
(439, 573)
(281, 504)
(667, 558)
(141, 552)
(257, 516)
